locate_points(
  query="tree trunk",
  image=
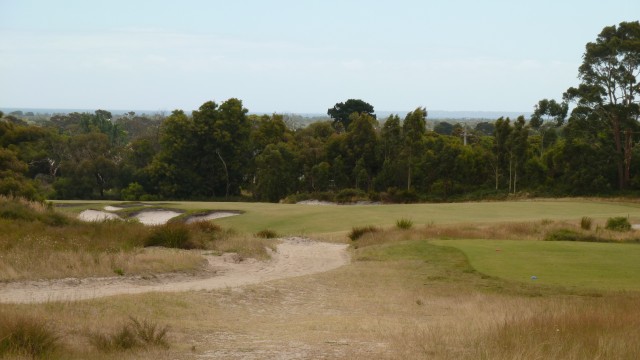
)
(226, 173)
(628, 140)
(619, 154)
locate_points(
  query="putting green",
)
(581, 265)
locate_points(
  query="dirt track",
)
(293, 257)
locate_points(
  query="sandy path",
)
(293, 257)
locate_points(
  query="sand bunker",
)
(293, 257)
(315, 202)
(156, 217)
(211, 216)
(95, 215)
(112, 208)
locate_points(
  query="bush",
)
(404, 224)
(351, 195)
(26, 336)
(267, 234)
(22, 209)
(570, 235)
(585, 223)
(357, 232)
(618, 224)
(205, 226)
(171, 235)
(131, 335)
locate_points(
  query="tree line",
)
(221, 152)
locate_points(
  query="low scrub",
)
(618, 224)
(134, 334)
(358, 232)
(171, 235)
(267, 234)
(571, 235)
(351, 196)
(404, 224)
(24, 336)
(21, 209)
(585, 223)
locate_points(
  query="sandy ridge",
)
(293, 257)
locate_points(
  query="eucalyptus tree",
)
(341, 112)
(608, 92)
(413, 128)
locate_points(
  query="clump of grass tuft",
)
(404, 224)
(357, 232)
(618, 224)
(134, 334)
(206, 227)
(171, 235)
(267, 234)
(14, 208)
(586, 222)
(27, 336)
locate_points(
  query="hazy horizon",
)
(288, 56)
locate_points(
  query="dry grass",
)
(393, 305)
(33, 246)
(535, 230)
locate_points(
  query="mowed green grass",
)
(294, 219)
(580, 265)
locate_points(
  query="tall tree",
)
(609, 88)
(341, 112)
(413, 128)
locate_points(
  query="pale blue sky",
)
(296, 56)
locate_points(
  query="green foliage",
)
(134, 334)
(133, 192)
(619, 223)
(20, 335)
(585, 223)
(404, 224)
(267, 234)
(341, 112)
(358, 232)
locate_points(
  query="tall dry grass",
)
(36, 242)
(535, 230)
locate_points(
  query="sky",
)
(296, 56)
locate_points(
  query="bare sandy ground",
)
(293, 257)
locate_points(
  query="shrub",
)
(357, 232)
(404, 224)
(267, 234)
(26, 210)
(205, 226)
(26, 336)
(618, 224)
(350, 195)
(570, 235)
(131, 335)
(585, 223)
(171, 235)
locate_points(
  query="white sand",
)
(293, 257)
(95, 215)
(156, 217)
(315, 202)
(112, 208)
(211, 216)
